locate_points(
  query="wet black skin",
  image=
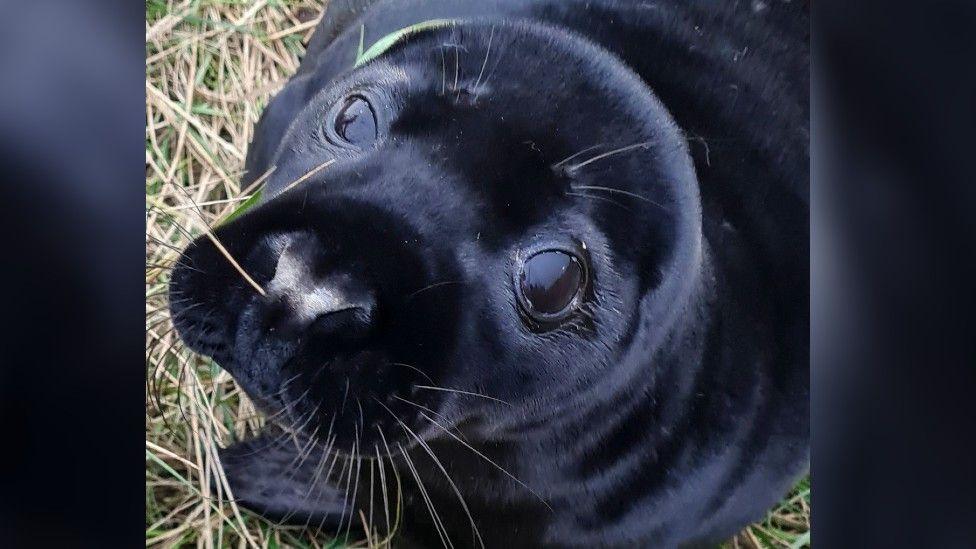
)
(644, 381)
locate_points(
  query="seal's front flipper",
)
(284, 480)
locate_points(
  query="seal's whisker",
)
(474, 527)
(317, 373)
(399, 486)
(168, 265)
(302, 457)
(599, 198)
(457, 68)
(422, 407)
(284, 386)
(166, 305)
(325, 482)
(642, 145)
(443, 71)
(151, 348)
(277, 441)
(193, 205)
(428, 410)
(320, 467)
(576, 154)
(484, 63)
(315, 481)
(153, 344)
(179, 314)
(369, 523)
(362, 419)
(430, 452)
(294, 430)
(345, 497)
(339, 474)
(170, 259)
(160, 242)
(335, 455)
(444, 538)
(432, 286)
(486, 458)
(617, 191)
(303, 453)
(153, 386)
(157, 389)
(289, 403)
(354, 487)
(172, 219)
(386, 502)
(162, 292)
(297, 430)
(414, 368)
(438, 524)
(161, 261)
(171, 263)
(498, 60)
(460, 392)
(284, 409)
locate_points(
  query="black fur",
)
(670, 409)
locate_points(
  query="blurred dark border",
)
(893, 237)
(892, 232)
(72, 124)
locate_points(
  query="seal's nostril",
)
(277, 317)
(350, 324)
(301, 300)
(292, 315)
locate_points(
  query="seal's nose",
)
(300, 299)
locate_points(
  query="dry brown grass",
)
(211, 67)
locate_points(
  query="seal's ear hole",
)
(466, 93)
(353, 121)
(550, 285)
(464, 96)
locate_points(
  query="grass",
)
(211, 67)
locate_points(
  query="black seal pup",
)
(524, 274)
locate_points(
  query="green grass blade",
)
(383, 44)
(244, 207)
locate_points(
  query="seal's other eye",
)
(355, 121)
(549, 285)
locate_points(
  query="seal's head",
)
(481, 210)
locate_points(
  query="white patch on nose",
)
(307, 297)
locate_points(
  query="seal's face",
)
(459, 227)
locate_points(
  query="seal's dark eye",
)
(550, 284)
(355, 121)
